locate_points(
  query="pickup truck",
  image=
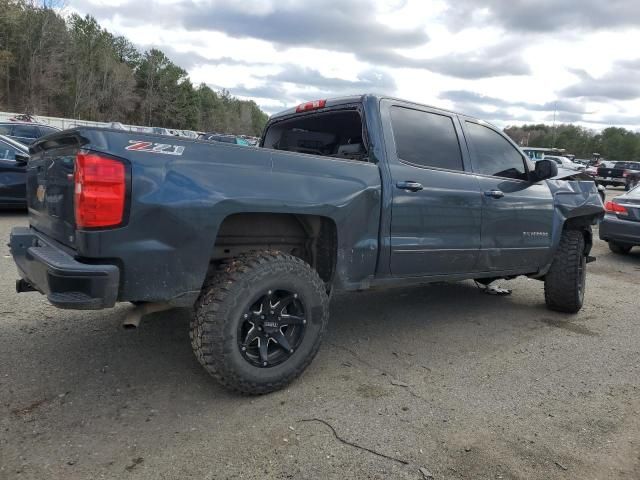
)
(344, 194)
(620, 174)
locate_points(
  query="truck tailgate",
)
(50, 191)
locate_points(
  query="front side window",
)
(426, 139)
(7, 152)
(494, 155)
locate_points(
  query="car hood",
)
(568, 174)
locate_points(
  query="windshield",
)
(634, 193)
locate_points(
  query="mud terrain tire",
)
(230, 296)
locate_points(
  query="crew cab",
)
(620, 174)
(341, 194)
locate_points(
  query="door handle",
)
(494, 194)
(409, 186)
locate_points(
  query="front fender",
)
(577, 205)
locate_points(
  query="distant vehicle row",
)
(619, 174)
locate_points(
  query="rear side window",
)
(494, 155)
(426, 139)
(5, 129)
(25, 131)
(47, 130)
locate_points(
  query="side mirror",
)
(544, 169)
(21, 159)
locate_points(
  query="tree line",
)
(72, 67)
(612, 143)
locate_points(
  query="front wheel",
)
(259, 321)
(565, 282)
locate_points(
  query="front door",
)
(12, 177)
(436, 203)
(517, 215)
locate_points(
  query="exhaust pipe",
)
(23, 286)
(134, 316)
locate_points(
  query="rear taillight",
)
(612, 207)
(100, 191)
(625, 173)
(315, 105)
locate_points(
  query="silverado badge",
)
(140, 146)
(40, 193)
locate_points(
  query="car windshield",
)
(634, 193)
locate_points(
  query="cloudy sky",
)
(508, 62)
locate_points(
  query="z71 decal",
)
(165, 148)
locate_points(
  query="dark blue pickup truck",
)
(341, 194)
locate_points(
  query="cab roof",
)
(337, 101)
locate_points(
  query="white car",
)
(565, 162)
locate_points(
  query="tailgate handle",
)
(494, 194)
(409, 186)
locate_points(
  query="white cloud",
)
(279, 52)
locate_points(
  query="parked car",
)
(620, 227)
(344, 194)
(189, 134)
(13, 163)
(26, 133)
(565, 162)
(161, 131)
(222, 138)
(620, 174)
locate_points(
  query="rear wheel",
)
(619, 248)
(259, 321)
(565, 282)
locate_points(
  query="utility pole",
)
(555, 108)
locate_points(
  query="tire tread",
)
(221, 288)
(561, 282)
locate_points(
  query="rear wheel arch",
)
(312, 238)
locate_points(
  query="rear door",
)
(517, 215)
(436, 203)
(12, 176)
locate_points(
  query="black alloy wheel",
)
(272, 328)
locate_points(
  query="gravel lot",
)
(462, 384)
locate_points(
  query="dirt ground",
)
(443, 378)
